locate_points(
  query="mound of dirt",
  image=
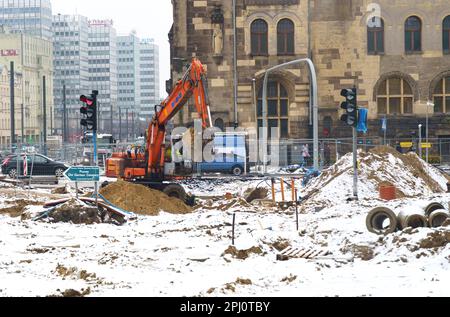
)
(412, 176)
(18, 207)
(437, 239)
(142, 200)
(76, 212)
(418, 167)
(242, 254)
(254, 194)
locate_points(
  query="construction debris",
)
(300, 253)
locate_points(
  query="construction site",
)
(243, 237)
(252, 177)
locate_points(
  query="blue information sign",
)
(83, 174)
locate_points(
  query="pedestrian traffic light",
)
(89, 112)
(350, 105)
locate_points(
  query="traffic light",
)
(351, 107)
(89, 112)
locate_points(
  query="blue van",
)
(230, 155)
(224, 164)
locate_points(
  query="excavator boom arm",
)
(193, 84)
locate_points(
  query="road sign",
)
(406, 144)
(384, 124)
(83, 174)
(427, 145)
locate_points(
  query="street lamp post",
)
(429, 104)
(420, 141)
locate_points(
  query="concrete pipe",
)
(412, 218)
(430, 208)
(437, 218)
(381, 221)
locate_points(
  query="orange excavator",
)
(147, 167)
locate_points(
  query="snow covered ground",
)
(183, 255)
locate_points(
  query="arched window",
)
(446, 35)
(395, 96)
(375, 36)
(441, 96)
(259, 30)
(278, 109)
(285, 37)
(413, 35)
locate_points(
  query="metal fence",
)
(290, 152)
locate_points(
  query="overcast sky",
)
(151, 19)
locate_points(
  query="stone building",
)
(397, 53)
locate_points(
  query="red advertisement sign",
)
(9, 52)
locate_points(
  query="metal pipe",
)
(236, 121)
(420, 141)
(355, 164)
(313, 84)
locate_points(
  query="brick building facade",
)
(395, 52)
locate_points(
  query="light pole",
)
(420, 141)
(429, 104)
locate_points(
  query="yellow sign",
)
(427, 145)
(406, 144)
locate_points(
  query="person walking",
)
(305, 154)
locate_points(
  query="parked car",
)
(37, 164)
(225, 164)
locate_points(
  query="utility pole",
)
(22, 123)
(235, 79)
(429, 104)
(355, 163)
(44, 105)
(128, 130)
(133, 127)
(120, 124)
(65, 136)
(111, 119)
(12, 118)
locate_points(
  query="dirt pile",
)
(437, 239)
(412, 176)
(76, 212)
(254, 194)
(18, 207)
(242, 254)
(419, 168)
(142, 200)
